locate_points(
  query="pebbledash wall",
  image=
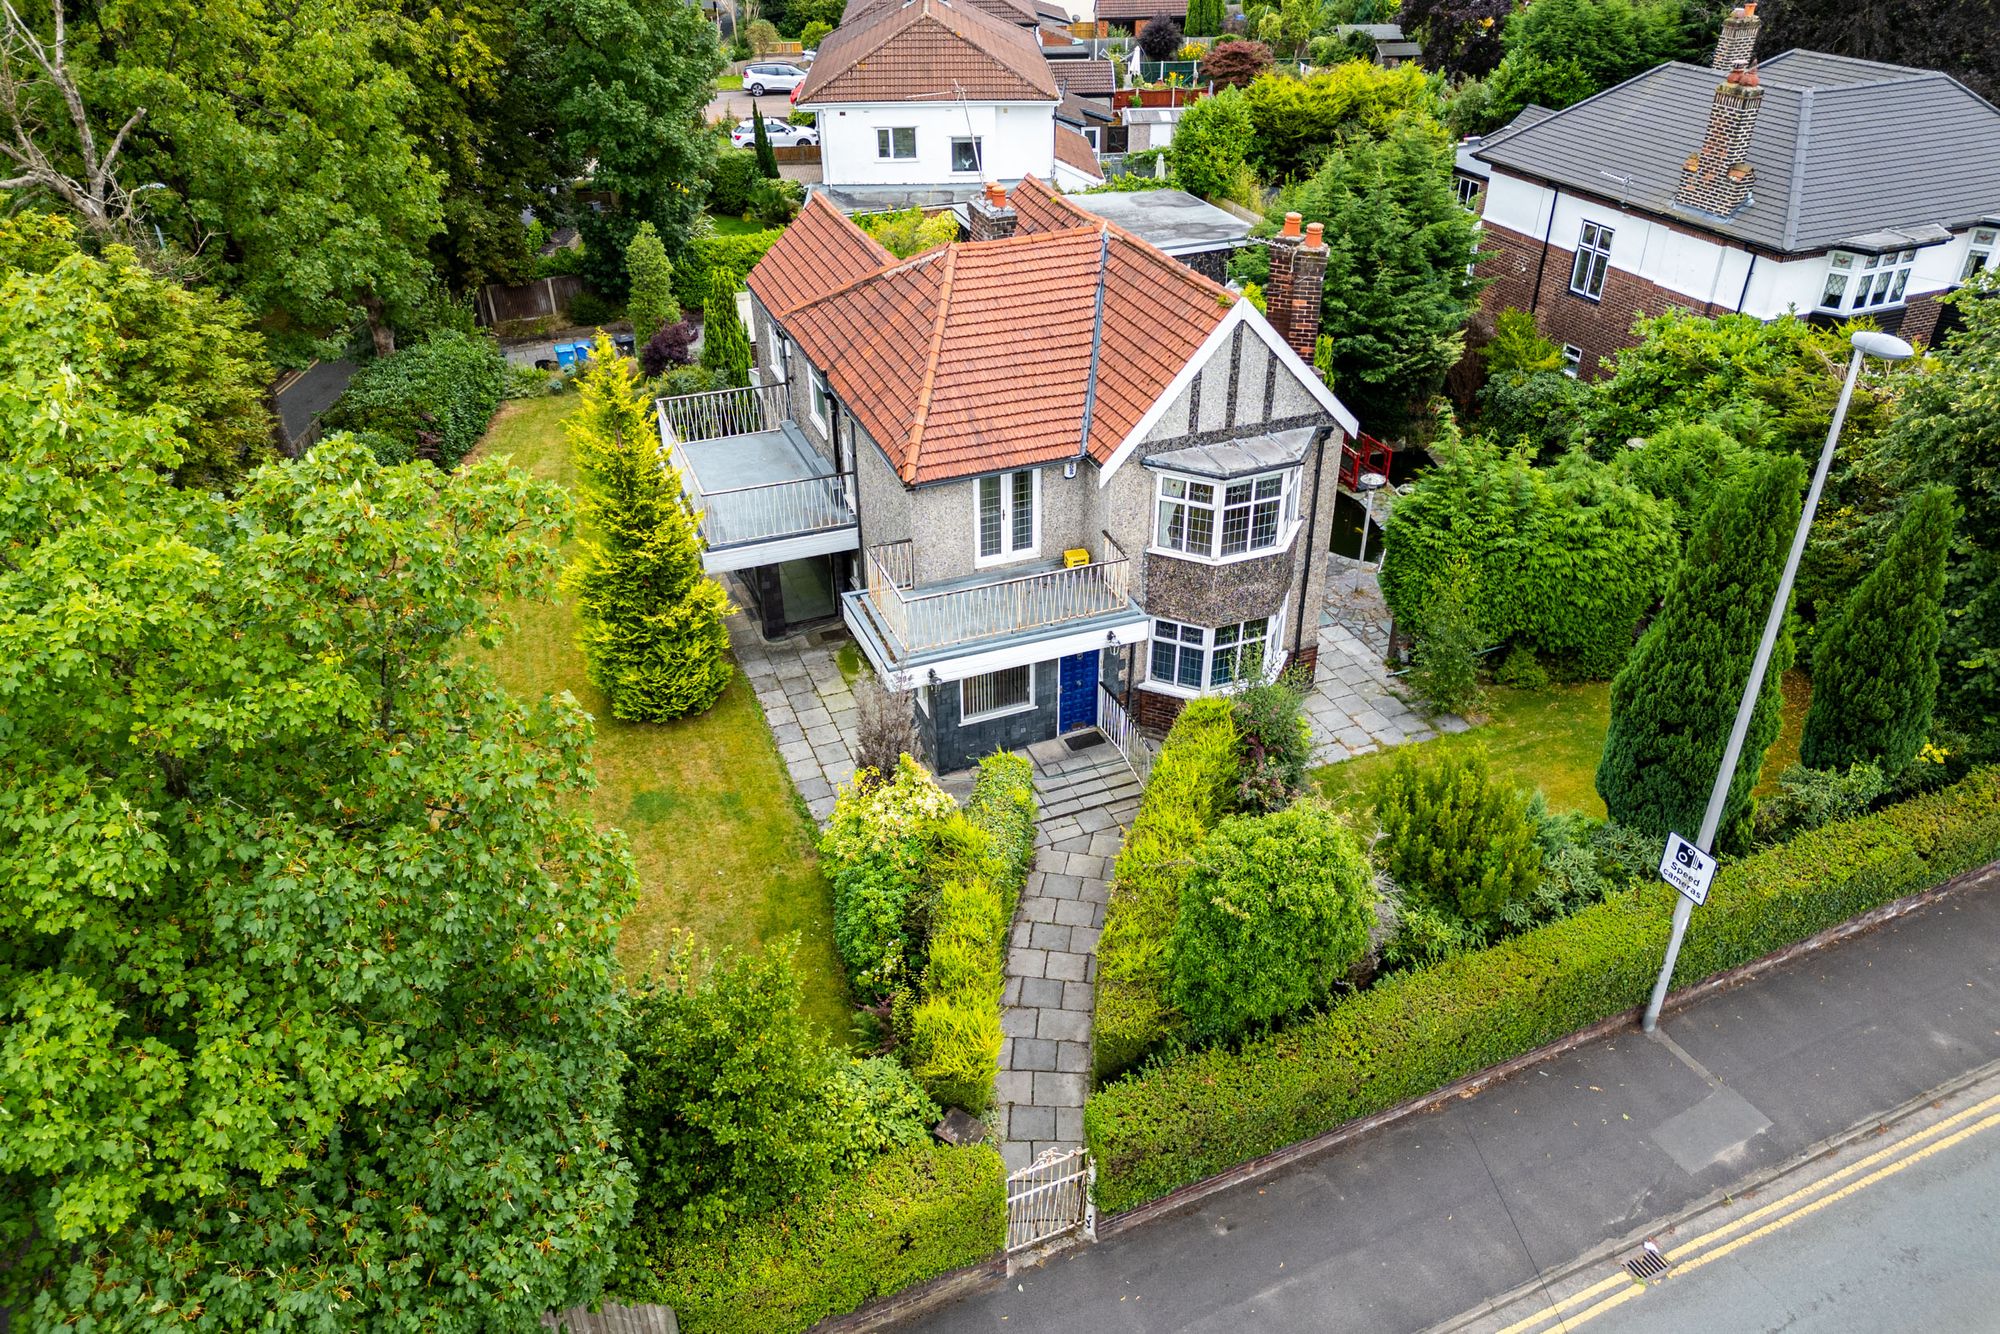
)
(1657, 264)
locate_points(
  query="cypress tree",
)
(1875, 669)
(651, 306)
(767, 161)
(725, 348)
(1674, 701)
(652, 635)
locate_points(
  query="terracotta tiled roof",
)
(1022, 12)
(1074, 151)
(927, 352)
(1041, 209)
(820, 251)
(1134, 13)
(1085, 78)
(925, 48)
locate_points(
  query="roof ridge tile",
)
(908, 470)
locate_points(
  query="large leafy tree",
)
(307, 1015)
(1875, 667)
(1298, 122)
(631, 81)
(652, 633)
(1206, 155)
(1930, 34)
(1392, 314)
(156, 342)
(1672, 705)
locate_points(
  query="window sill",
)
(971, 720)
(1597, 300)
(1282, 547)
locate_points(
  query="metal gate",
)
(1049, 1198)
(1076, 704)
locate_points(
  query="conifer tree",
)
(767, 161)
(652, 634)
(651, 306)
(1875, 669)
(725, 348)
(1674, 701)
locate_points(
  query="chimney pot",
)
(1292, 221)
(1316, 234)
(1738, 41)
(1298, 279)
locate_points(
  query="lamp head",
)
(1881, 346)
(1370, 481)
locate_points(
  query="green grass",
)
(723, 846)
(727, 226)
(1550, 739)
(729, 81)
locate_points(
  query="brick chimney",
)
(1298, 275)
(1718, 178)
(993, 218)
(1738, 43)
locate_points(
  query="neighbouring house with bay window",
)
(1812, 184)
(1042, 474)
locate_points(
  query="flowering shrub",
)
(874, 846)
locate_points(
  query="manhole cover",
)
(1648, 1264)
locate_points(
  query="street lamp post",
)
(1368, 483)
(1885, 348)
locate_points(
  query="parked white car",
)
(772, 77)
(782, 134)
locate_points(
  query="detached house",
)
(1809, 183)
(1047, 472)
(923, 100)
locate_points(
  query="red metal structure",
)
(1363, 453)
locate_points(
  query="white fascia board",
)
(1193, 367)
(1288, 356)
(749, 555)
(1016, 655)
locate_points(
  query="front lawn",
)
(728, 226)
(723, 847)
(729, 82)
(1550, 739)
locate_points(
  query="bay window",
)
(1196, 658)
(1213, 520)
(1007, 524)
(1979, 255)
(1857, 283)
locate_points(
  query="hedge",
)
(736, 253)
(907, 1217)
(1192, 787)
(1201, 1113)
(954, 1026)
(430, 400)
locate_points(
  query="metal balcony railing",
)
(721, 412)
(775, 509)
(940, 617)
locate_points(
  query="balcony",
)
(907, 624)
(765, 495)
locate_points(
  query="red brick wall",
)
(1155, 711)
(1598, 327)
(1920, 317)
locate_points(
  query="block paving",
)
(807, 704)
(1355, 707)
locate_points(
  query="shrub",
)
(776, 202)
(734, 255)
(1274, 913)
(430, 400)
(725, 347)
(1415, 1032)
(651, 279)
(1684, 465)
(687, 380)
(1191, 788)
(954, 1025)
(591, 309)
(1456, 837)
(672, 346)
(1875, 668)
(885, 726)
(762, 35)
(905, 1218)
(1206, 155)
(725, 1099)
(1444, 665)
(1809, 798)
(875, 845)
(1541, 409)
(1235, 63)
(906, 232)
(873, 1107)
(767, 161)
(729, 188)
(1520, 670)
(1274, 740)
(1672, 705)
(1160, 38)
(813, 34)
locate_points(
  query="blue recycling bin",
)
(570, 355)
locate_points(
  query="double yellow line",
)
(1767, 1219)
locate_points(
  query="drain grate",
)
(1648, 1264)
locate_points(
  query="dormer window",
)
(1857, 283)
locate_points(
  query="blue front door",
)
(1077, 704)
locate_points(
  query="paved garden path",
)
(1086, 798)
(1354, 708)
(808, 705)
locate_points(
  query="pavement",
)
(1436, 1215)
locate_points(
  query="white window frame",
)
(1883, 281)
(977, 143)
(1980, 248)
(1093, 136)
(1290, 481)
(1009, 551)
(777, 339)
(1203, 642)
(1467, 190)
(999, 711)
(1572, 360)
(1592, 264)
(819, 394)
(885, 143)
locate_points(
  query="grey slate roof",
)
(1842, 148)
(1237, 458)
(1466, 158)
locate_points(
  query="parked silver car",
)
(782, 134)
(772, 77)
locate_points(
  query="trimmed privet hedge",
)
(1192, 786)
(1206, 1111)
(430, 400)
(907, 1217)
(954, 1025)
(735, 254)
